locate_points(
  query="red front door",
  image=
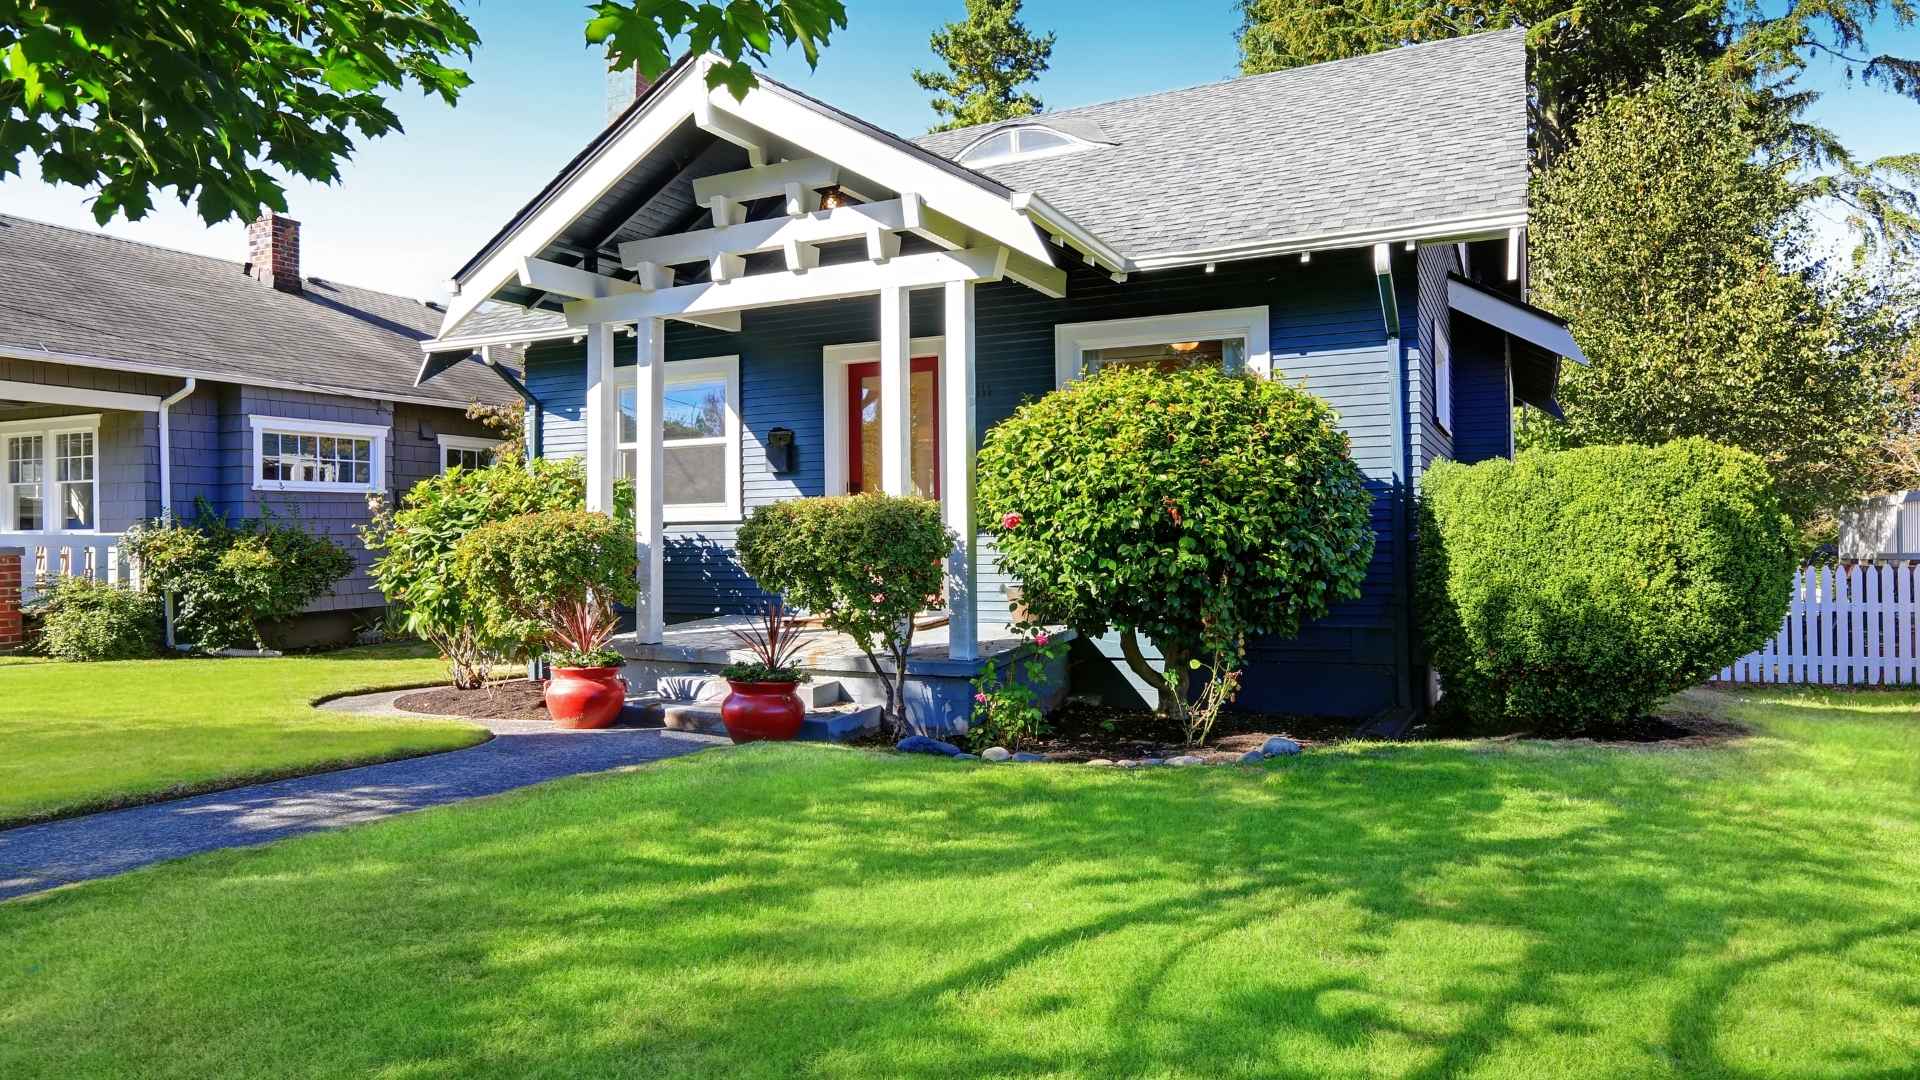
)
(863, 427)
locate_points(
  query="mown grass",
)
(76, 737)
(1436, 910)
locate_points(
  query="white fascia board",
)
(173, 371)
(782, 287)
(571, 281)
(1076, 236)
(1489, 227)
(471, 342)
(46, 394)
(1514, 319)
(976, 207)
(642, 132)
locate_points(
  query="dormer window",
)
(1019, 143)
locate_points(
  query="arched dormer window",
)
(1018, 143)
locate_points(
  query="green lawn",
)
(88, 736)
(1509, 910)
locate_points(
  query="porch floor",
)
(711, 641)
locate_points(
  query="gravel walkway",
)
(34, 858)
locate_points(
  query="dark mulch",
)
(515, 699)
(1082, 731)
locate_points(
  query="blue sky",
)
(410, 208)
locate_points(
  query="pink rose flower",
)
(980, 699)
(1041, 638)
(1012, 520)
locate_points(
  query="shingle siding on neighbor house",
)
(1326, 333)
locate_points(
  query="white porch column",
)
(896, 393)
(649, 481)
(956, 474)
(603, 418)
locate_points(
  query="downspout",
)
(166, 475)
(1402, 465)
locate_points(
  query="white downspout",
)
(166, 474)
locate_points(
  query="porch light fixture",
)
(833, 198)
(1184, 346)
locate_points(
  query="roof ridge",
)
(1322, 65)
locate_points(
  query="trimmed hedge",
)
(521, 571)
(232, 578)
(84, 619)
(1562, 590)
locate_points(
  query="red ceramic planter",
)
(585, 697)
(762, 710)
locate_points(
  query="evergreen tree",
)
(989, 55)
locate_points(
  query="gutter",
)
(34, 352)
(166, 476)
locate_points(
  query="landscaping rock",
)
(1024, 756)
(1127, 763)
(922, 744)
(1101, 761)
(1279, 747)
(1252, 757)
(1153, 761)
(995, 753)
(1186, 759)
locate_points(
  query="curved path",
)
(34, 858)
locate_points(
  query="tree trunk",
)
(1172, 686)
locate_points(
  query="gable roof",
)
(1395, 140)
(75, 295)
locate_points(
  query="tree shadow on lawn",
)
(1414, 911)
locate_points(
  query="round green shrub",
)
(1194, 507)
(230, 578)
(1567, 589)
(84, 619)
(521, 571)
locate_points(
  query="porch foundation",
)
(12, 625)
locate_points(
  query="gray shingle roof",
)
(89, 294)
(1426, 133)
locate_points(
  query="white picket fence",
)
(1854, 624)
(50, 555)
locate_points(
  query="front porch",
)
(680, 672)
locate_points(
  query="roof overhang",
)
(1537, 339)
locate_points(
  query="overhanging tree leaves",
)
(989, 55)
(641, 33)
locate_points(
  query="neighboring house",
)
(824, 307)
(1885, 528)
(136, 380)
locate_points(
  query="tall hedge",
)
(1561, 590)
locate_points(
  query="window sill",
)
(310, 486)
(701, 515)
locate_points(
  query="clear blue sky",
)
(411, 207)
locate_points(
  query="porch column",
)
(603, 418)
(896, 393)
(649, 482)
(956, 474)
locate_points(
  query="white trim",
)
(1443, 376)
(108, 363)
(700, 370)
(49, 428)
(834, 361)
(1074, 145)
(49, 394)
(1070, 340)
(377, 434)
(464, 442)
(1484, 227)
(1503, 314)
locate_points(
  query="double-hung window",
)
(49, 468)
(467, 452)
(700, 439)
(316, 455)
(1234, 339)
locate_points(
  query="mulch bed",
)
(1083, 731)
(515, 699)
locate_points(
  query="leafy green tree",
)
(1662, 238)
(1192, 507)
(219, 100)
(989, 55)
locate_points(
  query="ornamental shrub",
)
(84, 619)
(416, 567)
(1562, 590)
(1193, 507)
(522, 572)
(230, 578)
(865, 564)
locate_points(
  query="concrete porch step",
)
(830, 723)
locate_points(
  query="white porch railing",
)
(50, 555)
(1852, 624)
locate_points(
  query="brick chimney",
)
(623, 89)
(273, 252)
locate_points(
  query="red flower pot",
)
(762, 710)
(588, 697)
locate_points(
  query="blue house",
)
(736, 302)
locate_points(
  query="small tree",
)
(1193, 507)
(531, 575)
(865, 564)
(989, 55)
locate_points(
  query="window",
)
(49, 469)
(1018, 143)
(1442, 376)
(699, 440)
(1233, 338)
(466, 452)
(317, 455)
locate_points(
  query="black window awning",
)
(1536, 339)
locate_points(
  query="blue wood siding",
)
(1482, 393)
(1326, 334)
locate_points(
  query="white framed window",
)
(1019, 142)
(1234, 338)
(700, 440)
(467, 452)
(1442, 376)
(318, 455)
(50, 470)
